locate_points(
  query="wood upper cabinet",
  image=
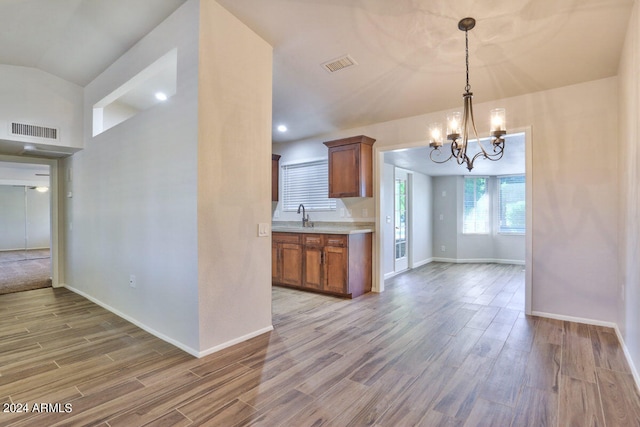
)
(335, 264)
(351, 167)
(275, 175)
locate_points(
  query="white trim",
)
(574, 319)
(235, 341)
(479, 261)
(165, 338)
(422, 262)
(627, 355)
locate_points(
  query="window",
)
(476, 206)
(307, 183)
(512, 204)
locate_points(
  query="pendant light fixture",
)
(460, 125)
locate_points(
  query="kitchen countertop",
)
(323, 227)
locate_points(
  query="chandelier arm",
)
(438, 161)
(475, 131)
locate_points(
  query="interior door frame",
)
(57, 249)
(378, 250)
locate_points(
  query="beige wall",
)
(234, 180)
(629, 200)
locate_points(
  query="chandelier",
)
(459, 125)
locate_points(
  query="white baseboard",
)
(165, 338)
(627, 355)
(235, 341)
(613, 325)
(423, 262)
(574, 319)
(480, 261)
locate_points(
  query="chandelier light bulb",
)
(498, 120)
(435, 133)
(453, 124)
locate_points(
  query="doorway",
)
(435, 233)
(26, 222)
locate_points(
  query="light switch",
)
(263, 229)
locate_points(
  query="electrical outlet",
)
(132, 281)
(441, 217)
(443, 248)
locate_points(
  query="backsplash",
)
(356, 209)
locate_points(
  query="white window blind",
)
(512, 204)
(307, 183)
(476, 206)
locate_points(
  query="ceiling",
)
(75, 39)
(409, 53)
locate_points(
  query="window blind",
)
(476, 206)
(307, 183)
(512, 204)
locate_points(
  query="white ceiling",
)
(410, 53)
(75, 39)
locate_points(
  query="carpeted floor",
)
(24, 270)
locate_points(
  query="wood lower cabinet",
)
(331, 263)
(286, 259)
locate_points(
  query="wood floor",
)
(444, 345)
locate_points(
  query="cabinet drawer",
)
(336, 240)
(286, 238)
(313, 240)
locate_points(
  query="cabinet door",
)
(275, 262)
(344, 171)
(335, 269)
(290, 264)
(312, 268)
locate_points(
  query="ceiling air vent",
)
(339, 64)
(23, 129)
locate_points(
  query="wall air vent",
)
(339, 64)
(23, 129)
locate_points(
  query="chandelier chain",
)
(467, 88)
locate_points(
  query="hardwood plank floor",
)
(444, 345)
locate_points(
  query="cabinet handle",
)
(322, 257)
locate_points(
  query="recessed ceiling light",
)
(161, 96)
(282, 128)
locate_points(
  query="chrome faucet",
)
(305, 218)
